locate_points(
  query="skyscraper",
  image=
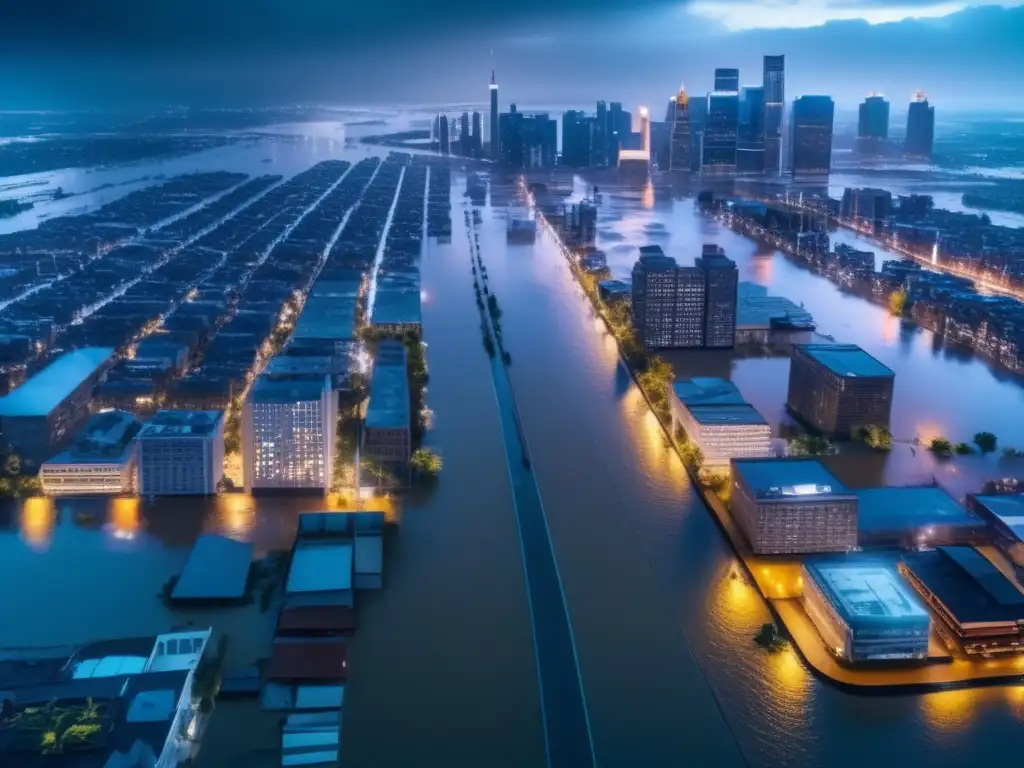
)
(645, 130)
(721, 133)
(578, 131)
(495, 128)
(509, 138)
(721, 283)
(774, 97)
(478, 137)
(442, 134)
(527, 141)
(920, 127)
(620, 126)
(812, 136)
(465, 140)
(681, 142)
(601, 135)
(727, 80)
(750, 147)
(873, 124)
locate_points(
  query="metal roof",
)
(217, 569)
(866, 590)
(762, 475)
(51, 386)
(1007, 509)
(707, 391)
(846, 360)
(756, 309)
(971, 587)
(389, 389)
(721, 415)
(320, 566)
(891, 509)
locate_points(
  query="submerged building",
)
(864, 610)
(719, 421)
(774, 321)
(792, 506)
(181, 453)
(838, 387)
(387, 435)
(102, 460)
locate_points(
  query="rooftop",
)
(51, 386)
(181, 424)
(787, 477)
(707, 391)
(217, 569)
(1008, 509)
(321, 566)
(389, 390)
(107, 437)
(866, 590)
(396, 307)
(846, 360)
(721, 415)
(971, 587)
(327, 317)
(267, 390)
(756, 309)
(892, 509)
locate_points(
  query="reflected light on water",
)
(38, 517)
(344, 502)
(123, 518)
(890, 329)
(949, 710)
(647, 198)
(236, 515)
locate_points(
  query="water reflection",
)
(38, 519)
(123, 520)
(949, 710)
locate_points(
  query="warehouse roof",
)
(866, 590)
(389, 389)
(787, 477)
(722, 415)
(1007, 509)
(51, 386)
(969, 585)
(707, 391)
(890, 509)
(846, 360)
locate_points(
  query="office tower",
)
(442, 134)
(288, 434)
(181, 453)
(920, 127)
(721, 281)
(620, 126)
(873, 124)
(465, 140)
(478, 139)
(578, 136)
(750, 147)
(645, 130)
(727, 80)
(681, 142)
(540, 141)
(812, 136)
(510, 137)
(774, 97)
(697, 110)
(838, 387)
(494, 127)
(661, 141)
(601, 135)
(721, 133)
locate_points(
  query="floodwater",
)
(443, 667)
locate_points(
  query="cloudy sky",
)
(74, 53)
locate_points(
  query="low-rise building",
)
(719, 421)
(864, 610)
(181, 453)
(838, 387)
(979, 606)
(387, 435)
(102, 460)
(1004, 514)
(773, 321)
(792, 506)
(915, 517)
(42, 416)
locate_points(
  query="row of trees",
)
(13, 484)
(985, 442)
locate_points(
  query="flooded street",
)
(444, 666)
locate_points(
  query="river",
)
(443, 664)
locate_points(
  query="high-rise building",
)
(578, 137)
(681, 141)
(920, 127)
(620, 126)
(873, 124)
(750, 147)
(721, 134)
(774, 98)
(478, 137)
(181, 453)
(812, 136)
(288, 434)
(601, 136)
(465, 140)
(510, 137)
(442, 134)
(677, 306)
(721, 281)
(727, 80)
(494, 127)
(528, 141)
(645, 130)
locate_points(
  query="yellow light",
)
(38, 518)
(124, 517)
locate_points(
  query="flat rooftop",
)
(106, 438)
(968, 584)
(756, 309)
(865, 590)
(396, 307)
(892, 509)
(1008, 509)
(327, 317)
(51, 386)
(707, 391)
(725, 415)
(320, 566)
(389, 390)
(181, 424)
(288, 390)
(846, 360)
(217, 569)
(787, 477)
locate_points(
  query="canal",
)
(443, 663)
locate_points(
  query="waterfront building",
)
(288, 430)
(681, 139)
(397, 307)
(661, 140)
(102, 460)
(873, 124)
(721, 133)
(812, 137)
(494, 128)
(915, 517)
(181, 453)
(863, 609)
(727, 79)
(465, 139)
(40, 417)
(920, 128)
(838, 387)
(979, 606)
(601, 131)
(750, 147)
(1004, 514)
(721, 280)
(387, 434)
(866, 207)
(528, 141)
(442, 134)
(620, 127)
(578, 137)
(774, 83)
(792, 506)
(773, 321)
(717, 419)
(477, 140)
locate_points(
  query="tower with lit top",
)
(681, 141)
(495, 140)
(920, 127)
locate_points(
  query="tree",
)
(897, 302)
(810, 445)
(986, 442)
(12, 465)
(425, 463)
(877, 437)
(940, 446)
(963, 449)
